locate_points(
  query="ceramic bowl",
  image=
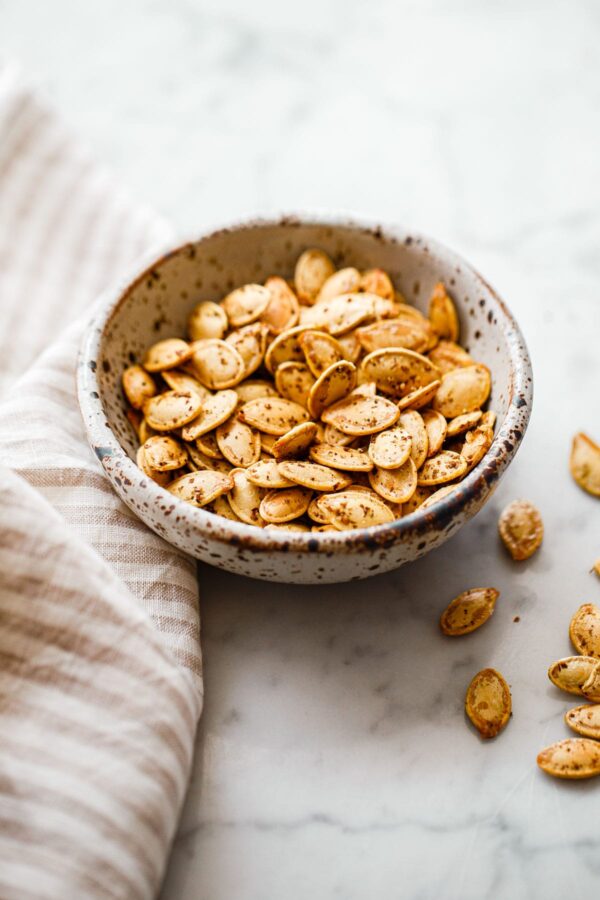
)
(154, 303)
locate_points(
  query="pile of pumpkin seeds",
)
(323, 404)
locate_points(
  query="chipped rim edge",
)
(115, 460)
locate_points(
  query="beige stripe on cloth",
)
(100, 666)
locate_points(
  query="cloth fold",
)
(100, 665)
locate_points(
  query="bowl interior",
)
(158, 303)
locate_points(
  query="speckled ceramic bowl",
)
(155, 303)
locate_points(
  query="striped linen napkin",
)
(100, 666)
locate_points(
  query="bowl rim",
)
(115, 460)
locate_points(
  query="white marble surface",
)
(334, 760)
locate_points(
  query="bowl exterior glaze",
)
(155, 302)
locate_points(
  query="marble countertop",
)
(333, 758)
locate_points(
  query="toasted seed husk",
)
(476, 445)
(313, 476)
(338, 457)
(313, 268)
(521, 529)
(295, 442)
(585, 720)
(436, 426)
(238, 443)
(265, 473)
(420, 397)
(395, 485)
(214, 411)
(403, 331)
(377, 281)
(357, 415)
(391, 448)
(201, 487)
(397, 371)
(437, 495)
(571, 673)
(321, 350)
(294, 381)
(167, 354)
(267, 442)
(355, 509)
(463, 390)
(171, 410)
(420, 496)
(163, 453)
(250, 342)
(488, 419)
(285, 348)
(447, 356)
(366, 389)
(488, 702)
(343, 281)
(138, 386)
(217, 364)
(245, 498)
(283, 308)
(316, 512)
(584, 630)
(221, 507)
(444, 466)
(199, 460)
(161, 478)
(246, 304)
(460, 424)
(255, 388)
(585, 464)
(284, 505)
(332, 435)
(442, 314)
(273, 415)
(412, 422)
(591, 688)
(178, 380)
(350, 345)
(207, 444)
(345, 312)
(207, 320)
(469, 611)
(332, 385)
(572, 758)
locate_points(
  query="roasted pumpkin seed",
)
(572, 758)
(584, 630)
(460, 424)
(164, 453)
(250, 342)
(295, 442)
(406, 331)
(332, 385)
(391, 448)
(462, 391)
(337, 457)
(217, 364)
(469, 611)
(355, 509)
(343, 281)
(591, 688)
(585, 464)
(245, 498)
(265, 473)
(313, 268)
(397, 371)
(178, 380)
(221, 507)
(488, 702)
(571, 673)
(521, 529)
(357, 415)
(437, 495)
(442, 314)
(207, 443)
(255, 388)
(585, 720)
(294, 380)
(273, 415)
(447, 356)
(161, 478)
(171, 410)
(420, 397)
(396, 485)
(444, 466)
(202, 487)
(138, 385)
(321, 350)
(207, 320)
(238, 443)
(283, 308)
(376, 281)
(313, 476)
(436, 427)
(285, 348)
(167, 355)
(282, 506)
(246, 304)
(214, 411)
(412, 422)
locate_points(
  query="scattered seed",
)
(469, 611)
(488, 703)
(521, 529)
(571, 758)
